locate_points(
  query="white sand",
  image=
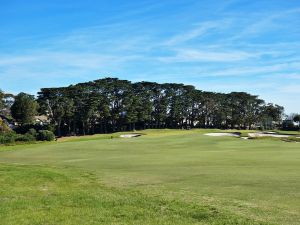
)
(245, 138)
(222, 135)
(260, 134)
(129, 135)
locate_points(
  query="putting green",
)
(196, 179)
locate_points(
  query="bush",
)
(50, 127)
(8, 138)
(32, 132)
(25, 128)
(46, 135)
(30, 136)
(4, 128)
(25, 138)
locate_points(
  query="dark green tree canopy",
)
(2, 103)
(110, 104)
(24, 108)
(297, 118)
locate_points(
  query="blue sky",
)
(234, 45)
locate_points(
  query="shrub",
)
(25, 138)
(4, 128)
(46, 135)
(8, 138)
(32, 132)
(30, 136)
(50, 127)
(25, 128)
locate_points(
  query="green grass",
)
(296, 133)
(45, 195)
(163, 177)
(291, 139)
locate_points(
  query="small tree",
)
(1, 99)
(3, 127)
(45, 135)
(297, 120)
(24, 108)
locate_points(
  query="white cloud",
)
(285, 75)
(191, 55)
(259, 69)
(267, 22)
(7, 60)
(200, 30)
(291, 89)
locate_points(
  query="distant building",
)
(42, 120)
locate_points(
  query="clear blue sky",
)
(233, 45)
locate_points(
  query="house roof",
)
(42, 118)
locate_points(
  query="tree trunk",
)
(59, 128)
(83, 128)
(113, 126)
(105, 127)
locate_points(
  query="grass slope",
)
(164, 177)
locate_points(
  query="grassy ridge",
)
(249, 181)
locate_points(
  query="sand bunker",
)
(250, 135)
(223, 134)
(129, 135)
(267, 134)
(245, 138)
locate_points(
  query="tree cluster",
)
(110, 105)
(22, 108)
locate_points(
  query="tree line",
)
(110, 105)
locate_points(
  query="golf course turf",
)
(161, 177)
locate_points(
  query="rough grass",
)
(296, 133)
(291, 139)
(163, 177)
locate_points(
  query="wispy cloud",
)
(257, 70)
(221, 45)
(196, 32)
(15, 60)
(290, 76)
(292, 89)
(191, 55)
(267, 22)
